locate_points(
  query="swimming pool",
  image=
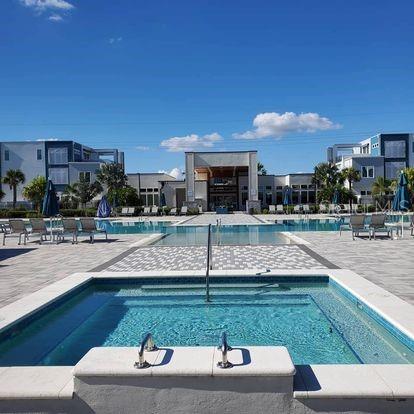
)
(316, 320)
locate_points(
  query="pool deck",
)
(26, 269)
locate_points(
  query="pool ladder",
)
(147, 344)
(209, 264)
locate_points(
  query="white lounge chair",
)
(124, 211)
(272, 209)
(200, 209)
(147, 211)
(297, 208)
(173, 212)
(17, 229)
(131, 211)
(378, 225)
(154, 211)
(306, 208)
(323, 209)
(280, 209)
(183, 211)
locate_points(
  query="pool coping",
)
(311, 381)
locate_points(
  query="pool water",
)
(314, 321)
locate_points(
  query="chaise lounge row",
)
(358, 224)
(69, 226)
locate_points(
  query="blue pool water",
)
(227, 234)
(315, 321)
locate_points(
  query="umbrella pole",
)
(51, 230)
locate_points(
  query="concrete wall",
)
(221, 159)
(23, 156)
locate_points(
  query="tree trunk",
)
(350, 194)
(14, 196)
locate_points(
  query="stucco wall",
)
(23, 156)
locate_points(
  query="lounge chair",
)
(280, 209)
(39, 227)
(124, 211)
(272, 209)
(131, 211)
(323, 209)
(306, 208)
(147, 211)
(173, 212)
(297, 208)
(17, 228)
(356, 225)
(183, 211)
(378, 225)
(332, 208)
(89, 227)
(200, 210)
(154, 211)
(70, 226)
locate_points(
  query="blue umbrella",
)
(162, 200)
(335, 198)
(287, 198)
(402, 200)
(50, 202)
(50, 206)
(104, 209)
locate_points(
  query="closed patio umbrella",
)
(402, 201)
(104, 209)
(335, 198)
(287, 198)
(50, 206)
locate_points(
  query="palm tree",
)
(326, 177)
(82, 192)
(13, 178)
(261, 169)
(381, 188)
(351, 175)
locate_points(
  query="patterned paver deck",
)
(224, 258)
(26, 269)
(387, 263)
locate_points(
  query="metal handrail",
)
(147, 344)
(209, 264)
(224, 347)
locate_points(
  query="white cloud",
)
(177, 173)
(274, 125)
(53, 6)
(113, 40)
(191, 142)
(48, 139)
(55, 18)
(142, 148)
(44, 5)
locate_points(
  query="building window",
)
(268, 188)
(295, 187)
(245, 188)
(39, 154)
(58, 155)
(268, 198)
(393, 168)
(279, 187)
(367, 172)
(86, 156)
(303, 186)
(363, 192)
(58, 175)
(394, 149)
(279, 197)
(155, 190)
(6, 155)
(85, 175)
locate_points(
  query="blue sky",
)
(135, 74)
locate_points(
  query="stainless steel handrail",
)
(209, 264)
(147, 344)
(224, 347)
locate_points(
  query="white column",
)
(253, 179)
(189, 177)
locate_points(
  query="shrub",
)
(192, 212)
(265, 211)
(75, 212)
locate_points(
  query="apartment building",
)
(383, 155)
(63, 162)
